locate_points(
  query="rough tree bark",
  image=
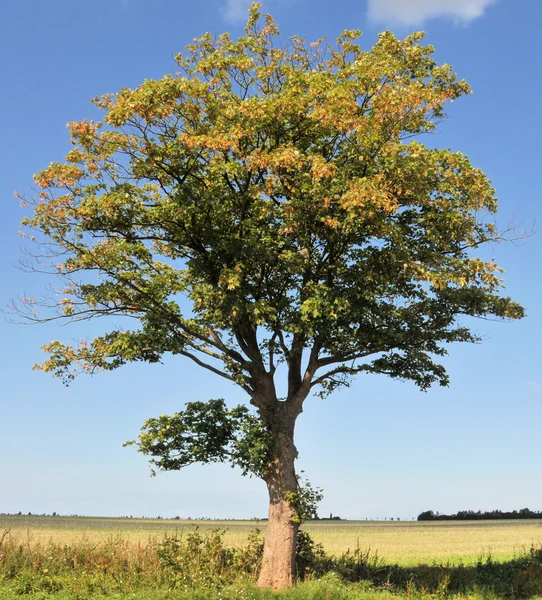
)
(278, 563)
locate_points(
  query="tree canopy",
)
(278, 191)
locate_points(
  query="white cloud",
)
(415, 12)
(236, 11)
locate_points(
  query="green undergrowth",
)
(329, 587)
(197, 566)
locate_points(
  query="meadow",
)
(80, 558)
(401, 542)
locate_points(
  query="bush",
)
(197, 561)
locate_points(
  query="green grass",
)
(329, 588)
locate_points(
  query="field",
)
(80, 558)
(405, 543)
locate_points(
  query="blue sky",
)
(379, 449)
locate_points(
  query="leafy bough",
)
(210, 432)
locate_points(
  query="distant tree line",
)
(176, 518)
(472, 515)
(331, 517)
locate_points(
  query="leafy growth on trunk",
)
(304, 501)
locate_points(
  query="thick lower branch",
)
(214, 370)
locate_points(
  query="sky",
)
(379, 449)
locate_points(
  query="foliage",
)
(269, 200)
(311, 560)
(200, 562)
(206, 432)
(305, 500)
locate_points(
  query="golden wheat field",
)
(406, 543)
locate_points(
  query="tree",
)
(269, 206)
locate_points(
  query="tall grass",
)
(200, 565)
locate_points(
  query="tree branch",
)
(215, 370)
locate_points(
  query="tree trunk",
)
(278, 564)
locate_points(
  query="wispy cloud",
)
(236, 11)
(535, 386)
(415, 12)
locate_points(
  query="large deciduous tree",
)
(269, 205)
